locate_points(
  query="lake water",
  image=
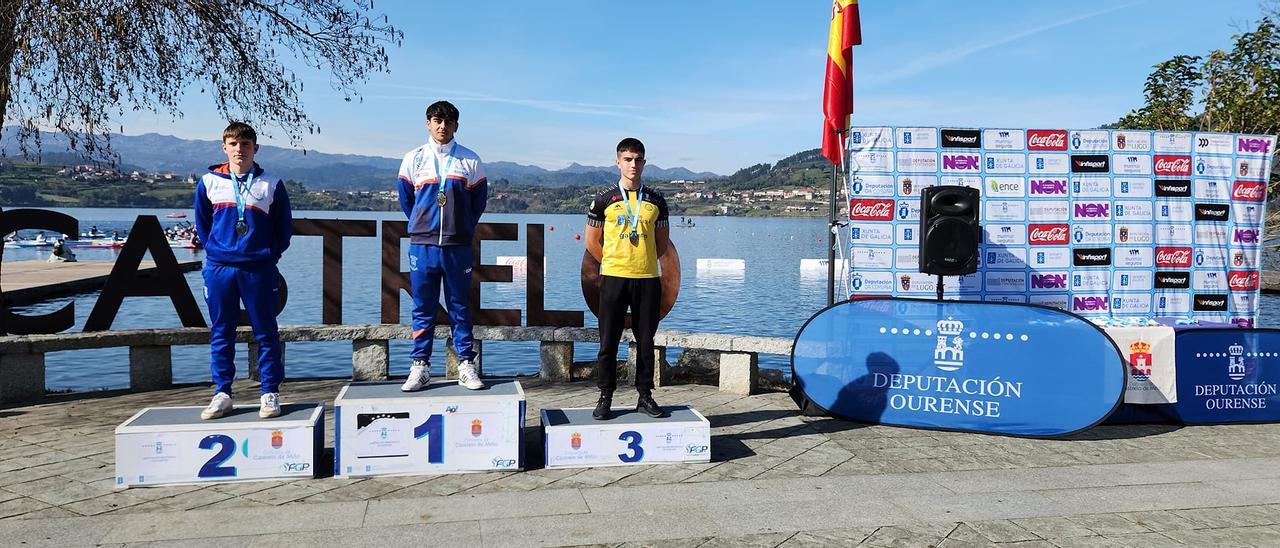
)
(769, 298)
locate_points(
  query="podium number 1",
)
(633, 440)
(213, 468)
(434, 430)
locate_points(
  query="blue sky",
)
(719, 85)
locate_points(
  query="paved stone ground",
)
(776, 479)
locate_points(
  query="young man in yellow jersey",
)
(627, 230)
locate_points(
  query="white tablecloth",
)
(1149, 359)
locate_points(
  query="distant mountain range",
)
(317, 170)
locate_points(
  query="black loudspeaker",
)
(949, 231)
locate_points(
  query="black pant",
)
(643, 295)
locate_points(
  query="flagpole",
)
(832, 227)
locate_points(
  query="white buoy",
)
(814, 266)
(730, 265)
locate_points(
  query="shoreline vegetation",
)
(794, 187)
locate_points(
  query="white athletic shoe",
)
(419, 377)
(220, 405)
(467, 376)
(270, 405)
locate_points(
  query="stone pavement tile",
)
(88, 475)
(694, 542)
(649, 524)
(241, 488)
(953, 543)
(486, 506)
(360, 490)
(19, 506)
(1028, 544)
(772, 517)
(852, 467)
(288, 492)
(913, 535)
(1145, 540)
(1092, 541)
(1261, 536)
(1233, 516)
(58, 490)
(460, 534)
(194, 524)
(8, 466)
(933, 507)
(762, 540)
(1162, 520)
(728, 471)
(54, 532)
(7, 496)
(595, 477)
(201, 498)
(47, 470)
(48, 513)
(829, 537)
(1108, 524)
(238, 503)
(1053, 527)
(664, 474)
(514, 482)
(162, 491)
(1133, 498)
(1002, 531)
(447, 484)
(103, 504)
(1251, 491)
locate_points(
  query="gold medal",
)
(635, 238)
(440, 198)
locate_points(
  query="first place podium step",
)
(172, 445)
(572, 438)
(443, 428)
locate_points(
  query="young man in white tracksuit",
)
(443, 191)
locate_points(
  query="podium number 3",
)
(633, 440)
(213, 468)
(433, 429)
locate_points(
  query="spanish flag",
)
(837, 94)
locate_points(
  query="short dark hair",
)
(631, 144)
(239, 130)
(443, 110)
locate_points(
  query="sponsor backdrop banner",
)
(1149, 355)
(1228, 375)
(972, 366)
(1097, 222)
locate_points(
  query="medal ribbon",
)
(242, 190)
(435, 163)
(633, 220)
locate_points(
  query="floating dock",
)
(29, 282)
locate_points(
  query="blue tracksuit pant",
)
(429, 265)
(258, 286)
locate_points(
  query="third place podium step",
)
(574, 439)
(380, 430)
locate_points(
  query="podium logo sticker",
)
(277, 439)
(477, 428)
(575, 441)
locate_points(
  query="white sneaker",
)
(467, 376)
(419, 377)
(220, 405)
(270, 405)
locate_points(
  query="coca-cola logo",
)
(1167, 164)
(1048, 234)
(1210, 303)
(1173, 280)
(1249, 191)
(1173, 257)
(1046, 139)
(1048, 187)
(1253, 144)
(1088, 304)
(1242, 280)
(1246, 236)
(961, 162)
(1213, 212)
(871, 210)
(1090, 163)
(1048, 281)
(1091, 256)
(1173, 188)
(961, 138)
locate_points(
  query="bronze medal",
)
(242, 228)
(440, 198)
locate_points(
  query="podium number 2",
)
(633, 440)
(434, 430)
(213, 468)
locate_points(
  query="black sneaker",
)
(649, 407)
(601, 412)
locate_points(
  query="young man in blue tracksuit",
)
(244, 220)
(443, 191)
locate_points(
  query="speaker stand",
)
(939, 287)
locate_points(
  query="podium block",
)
(444, 428)
(573, 439)
(172, 445)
